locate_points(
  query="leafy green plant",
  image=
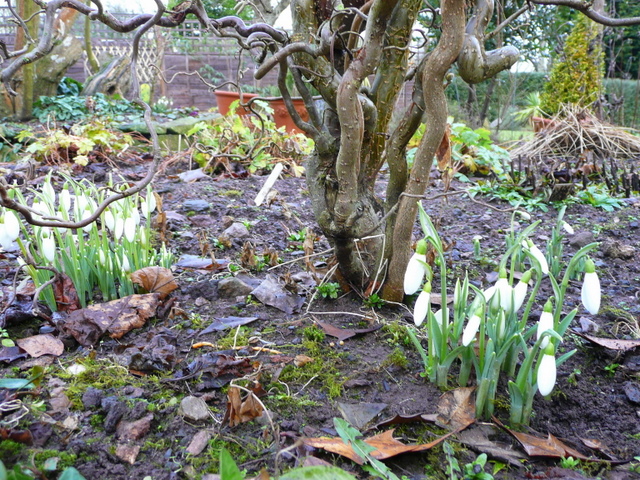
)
(598, 197)
(5, 340)
(496, 336)
(329, 290)
(532, 108)
(374, 301)
(75, 145)
(611, 369)
(255, 144)
(570, 463)
(73, 108)
(100, 255)
(298, 236)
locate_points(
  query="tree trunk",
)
(24, 103)
(51, 69)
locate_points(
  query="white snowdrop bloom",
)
(537, 254)
(547, 374)
(591, 294)
(422, 306)
(416, 269)
(109, 221)
(135, 214)
(119, 228)
(11, 225)
(130, 229)
(545, 323)
(126, 267)
(469, 332)
(48, 246)
(506, 294)
(65, 200)
(441, 316)
(86, 214)
(520, 290)
(568, 228)
(48, 192)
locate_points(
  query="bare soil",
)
(596, 401)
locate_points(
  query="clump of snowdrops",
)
(489, 332)
(99, 256)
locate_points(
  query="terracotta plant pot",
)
(540, 124)
(281, 115)
(225, 99)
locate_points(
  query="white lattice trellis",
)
(147, 56)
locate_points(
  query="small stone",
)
(116, 412)
(634, 225)
(237, 230)
(615, 249)
(199, 442)
(194, 408)
(199, 302)
(588, 326)
(128, 453)
(233, 287)
(196, 205)
(632, 391)
(92, 397)
(580, 239)
(128, 431)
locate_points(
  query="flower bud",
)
(591, 294)
(547, 371)
(416, 269)
(423, 305)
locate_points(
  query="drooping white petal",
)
(49, 247)
(470, 330)
(135, 214)
(109, 221)
(414, 274)
(506, 294)
(11, 225)
(65, 200)
(86, 213)
(546, 374)
(441, 315)
(48, 192)
(421, 308)
(568, 228)
(119, 228)
(537, 253)
(544, 323)
(591, 292)
(519, 294)
(130, 229)
(126, 267)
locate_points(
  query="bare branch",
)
(587, 9)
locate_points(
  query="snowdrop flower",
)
(86, 214)
(441, 315)
(568, 228)
(48, 245)
(48, 192)
(102, 258)
(537, 254)
(591, 288)
(423, 305)
(505, 291)
(130, 229)
(125, 264)
(65, 199)
(545, 323)
(135, 214)
(547, 371)
(416, 269)
(492, 298)
(524, 214)
(9, 229)
(109, 221)
(149, 205)
(471, 329)
(520, 290)
(118, 229)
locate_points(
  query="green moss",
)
(322, 370)
(396, 333)
(97, 421)
(231, 193)
(397, 358)
(235, 337)
(65, 459)
(313, 333)
(11, 451)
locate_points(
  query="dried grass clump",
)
(574, 133)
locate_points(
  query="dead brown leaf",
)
(39, 345)
(65, 294)
(344, 333)
(301, 360)
(456, 409)
(542, 447)
(248, 258)
(158, 280)
(308, 248)
(239, 410)
(385, 446)
(443, 154)
(619, 345)
(115, 318)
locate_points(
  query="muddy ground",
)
(125, 420)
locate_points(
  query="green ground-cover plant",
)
(487, 332)
(74, 108)
(75, 144)
(100, 255)
(253, 141)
